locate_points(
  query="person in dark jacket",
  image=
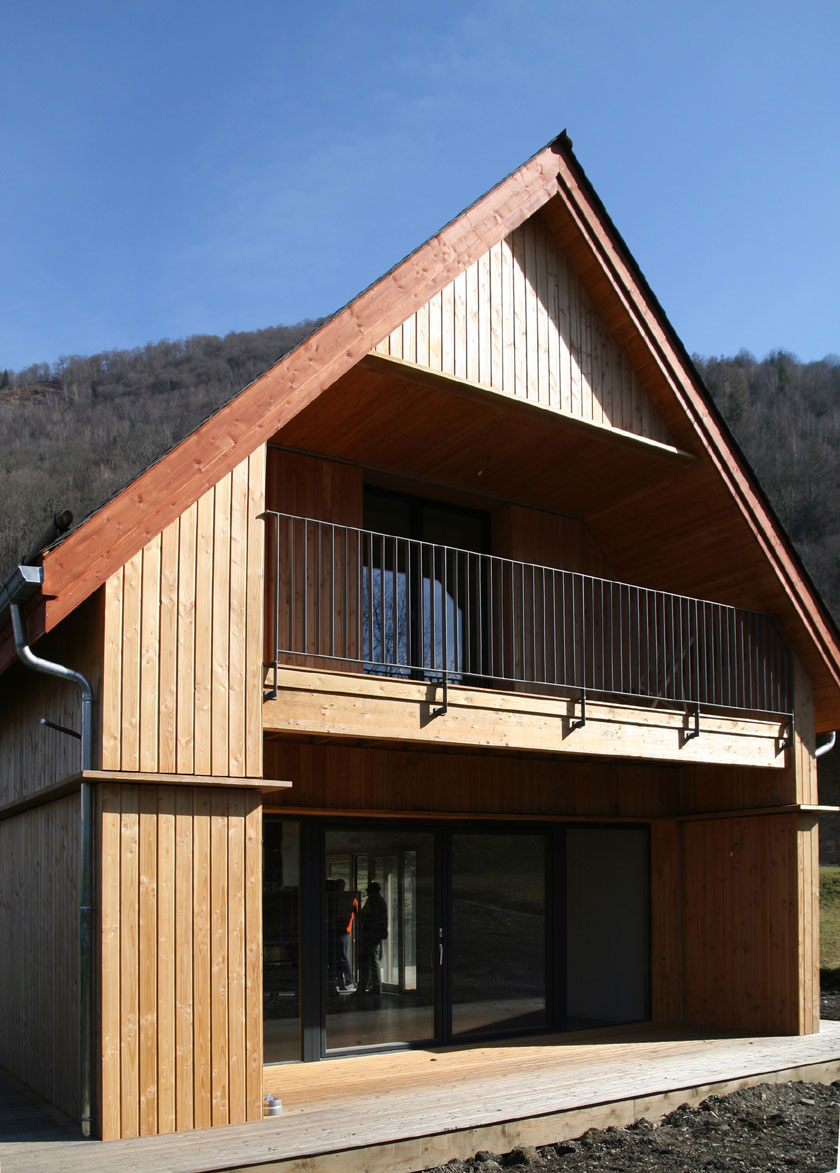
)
(373, 930)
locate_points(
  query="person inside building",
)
(373, 930)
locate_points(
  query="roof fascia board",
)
(647, 317)
(103, 543)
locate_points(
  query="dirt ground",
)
(772, 1128)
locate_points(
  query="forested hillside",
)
(786, 417)
(74, 433)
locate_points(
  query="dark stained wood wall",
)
(32, 756)
(741, 925)
(39, 950)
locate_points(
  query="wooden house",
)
(471, 597)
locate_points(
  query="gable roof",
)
(553, 184)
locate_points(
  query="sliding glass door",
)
(381, 934)
(379, 937)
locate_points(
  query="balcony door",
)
(422, 587)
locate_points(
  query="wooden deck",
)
(404, 1111)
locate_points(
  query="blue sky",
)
(198, 167)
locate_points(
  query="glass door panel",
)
(281, 939)
(498, 938)
(386, 994)
(607, 926)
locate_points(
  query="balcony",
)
(446, 627)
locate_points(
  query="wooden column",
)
(180, 941)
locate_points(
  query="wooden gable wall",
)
(520, 321)
(182, 679)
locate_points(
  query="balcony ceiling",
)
(421, 425)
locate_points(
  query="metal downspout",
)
(28, 657)
(821, 749)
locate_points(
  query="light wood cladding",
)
(183, 640)
(180, 931)
(808, 912)
(520, 320)
(33, 756)
(337, 704)
(39, 956)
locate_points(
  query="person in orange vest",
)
(347, 908)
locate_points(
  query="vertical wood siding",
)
(741, 924)
(182, 680)
(39, 954)
(324, 490)
(808, 886)
(520, 321)
(181, 948)
(546, 539)
(32, 756)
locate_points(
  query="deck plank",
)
(407, 1110)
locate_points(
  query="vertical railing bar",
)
(762, 663)
(648, 599)
(306, 586)
(293, 587)
(596, 640)
(533, 577)
(432, 611)
(332, 591)
(544, 621)
(479, 660)
(573, 580)
(360, 598)
(487, 576)
(514, 639)
(502, 618)
(366, 571)
(562, 632)
(395, 618)
(277, 589)
(522, 633)
(444, 622)
(456, 655)
(664, 677)
(418, 647)
(463, 637)
(345, 626)
(319, 574)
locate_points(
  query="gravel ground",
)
(772, 1128)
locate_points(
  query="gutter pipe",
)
(821, 749)
(30, 660)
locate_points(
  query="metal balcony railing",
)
(349, 598)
